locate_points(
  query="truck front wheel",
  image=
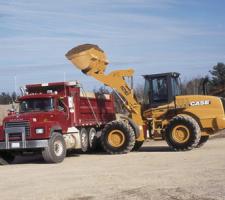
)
(117, 137)
(56, 150)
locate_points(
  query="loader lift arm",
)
(91, 60)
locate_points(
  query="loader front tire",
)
(183, 133)
(202, 141)
(117, 137)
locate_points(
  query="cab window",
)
(159, 90)
(40, 104)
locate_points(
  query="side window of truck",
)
(61, 106)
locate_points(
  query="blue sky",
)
(151, 36)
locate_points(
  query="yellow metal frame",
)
(92, 61)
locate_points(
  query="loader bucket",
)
(88, 56)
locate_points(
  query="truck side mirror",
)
(60, 108)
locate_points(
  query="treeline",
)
(7, 98)
(211, 84)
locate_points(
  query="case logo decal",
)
(200, 103)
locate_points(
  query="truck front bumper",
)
(20, 144)
(29, 144)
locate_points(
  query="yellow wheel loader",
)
(185, 122)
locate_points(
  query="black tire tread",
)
(92, 145)
(202, 141)
(47, 152)
(190, 121)
(121, 124)
(84, 149)
(137, 145)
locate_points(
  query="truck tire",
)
(182, 133)
(84, 138)
(202, 141)
(92, 139)
(137, 145)
(7, 157)
(56, 150)
(117, 137)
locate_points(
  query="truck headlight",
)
(39, 130)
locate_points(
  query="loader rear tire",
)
(117, 137)
(202, 141)
(183, 133)
(137, 145)
(56, 150)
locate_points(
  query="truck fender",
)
(55, 128)
(132, 124)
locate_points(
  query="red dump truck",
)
(53, 118)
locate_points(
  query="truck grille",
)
(18, 124)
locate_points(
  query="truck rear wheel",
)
(84, 140)
(117, 137)
(92, 139)
(202, 141)
(56, 150)
(183, 133)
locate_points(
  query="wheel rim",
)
(116, 138)
(180, 134)
(58, 148)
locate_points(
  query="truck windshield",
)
(42, 104)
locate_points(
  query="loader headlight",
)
(39, 130)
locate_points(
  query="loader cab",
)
(161, 89)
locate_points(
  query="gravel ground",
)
(154, 173)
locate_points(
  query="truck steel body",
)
(62, 108)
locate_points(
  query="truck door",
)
(62, 114)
